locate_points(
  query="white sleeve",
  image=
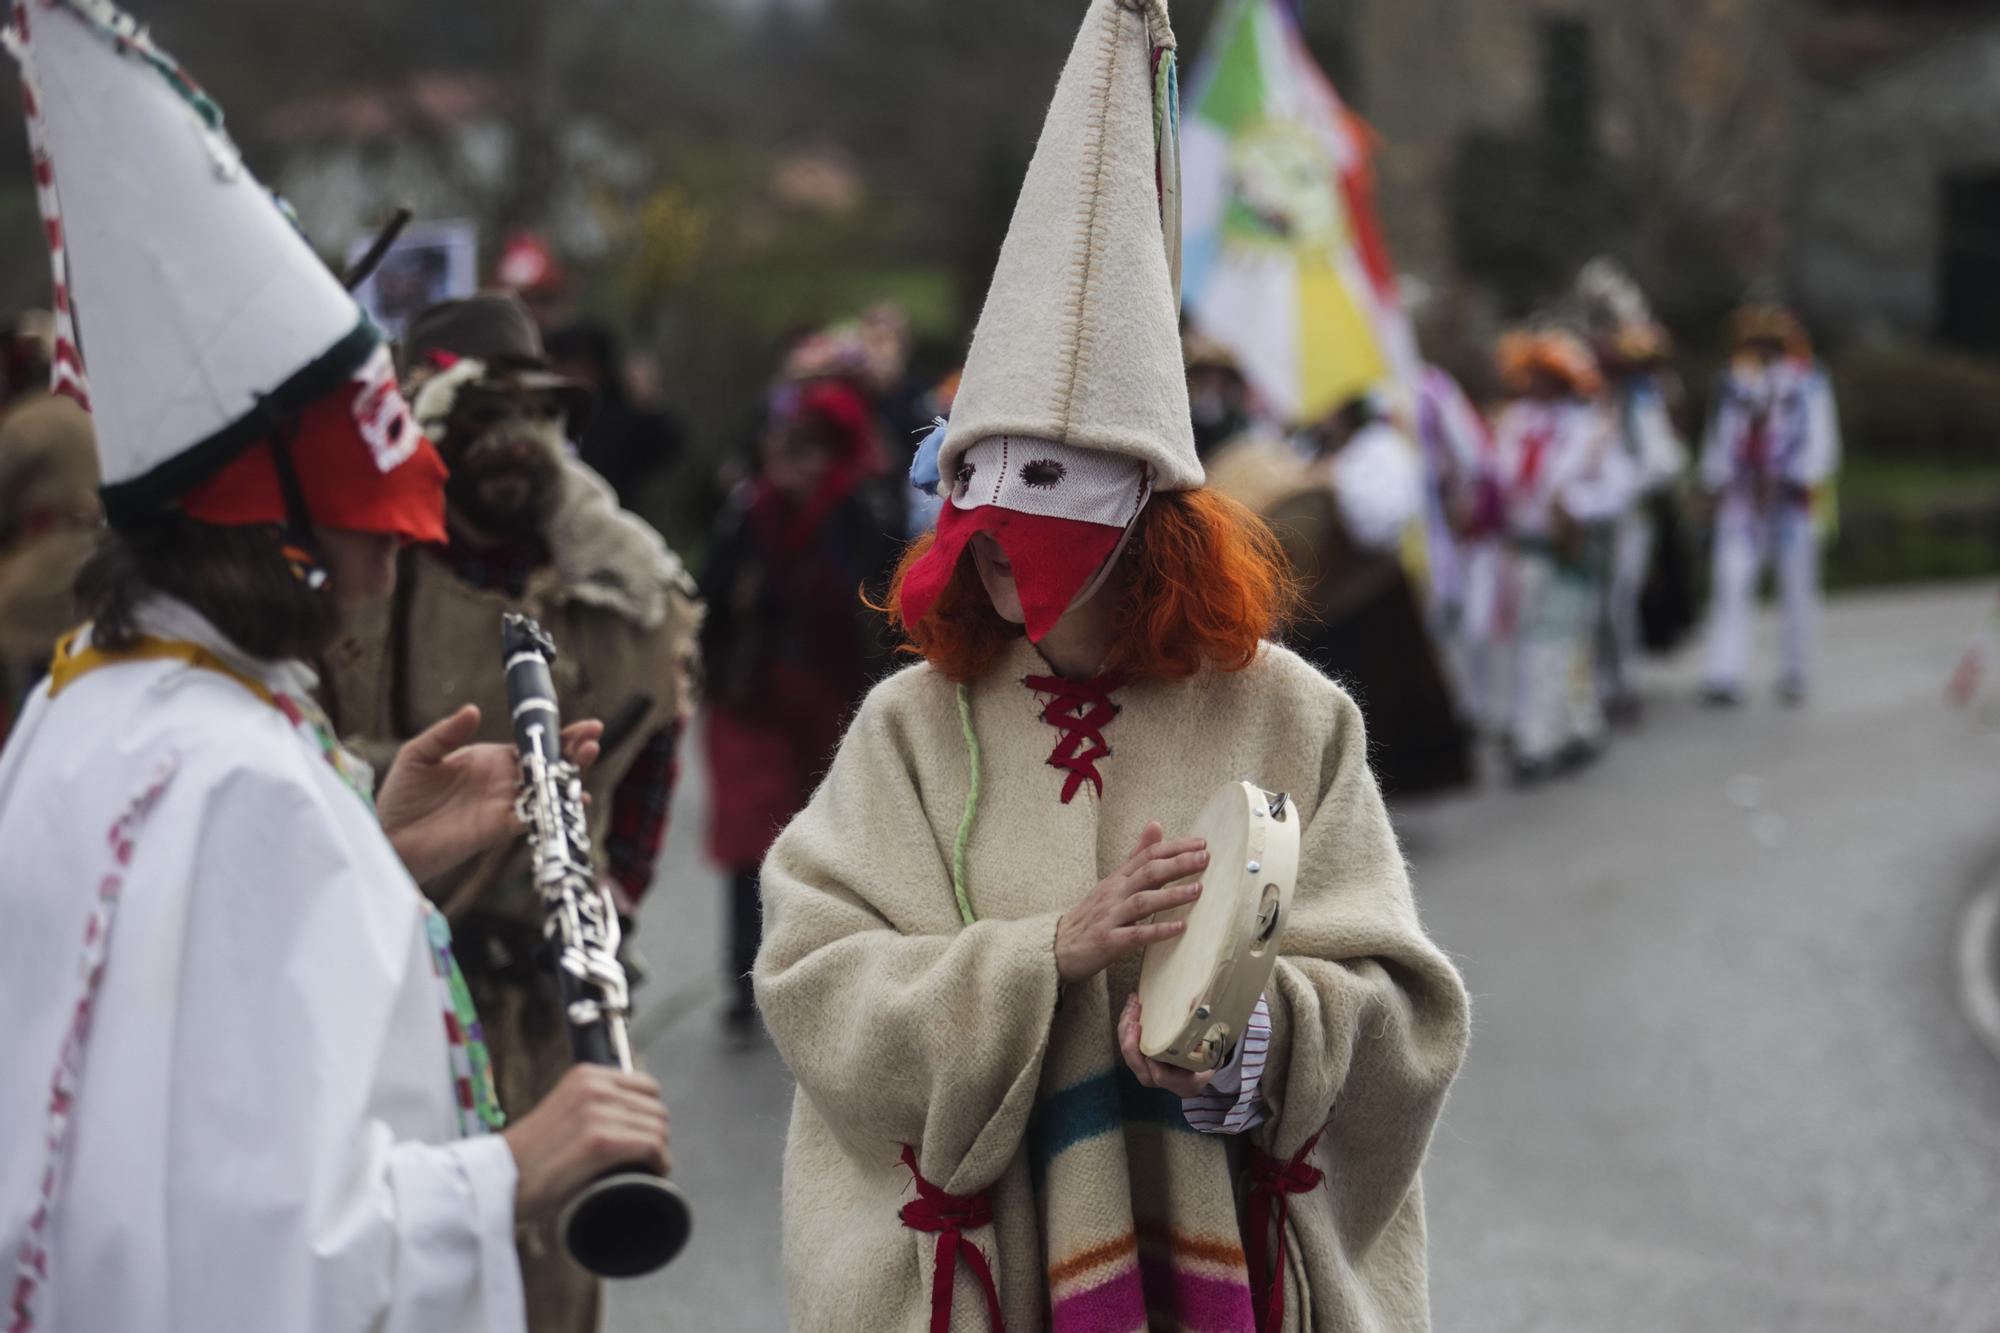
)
(1663, 456)
(1718, 448)
(1378, 483)
(1597, 479)
(1822, 453)
(308, 1072)
(1233, 1102)
(1465, 434)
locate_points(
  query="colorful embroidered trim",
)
(129, 37)
(66, 367)
(1080, 710)
(33, 1268)
(307, 719)
(471, 1066)
(125, 35)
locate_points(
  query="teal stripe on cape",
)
(1096, 1106)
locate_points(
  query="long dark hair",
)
(238, 578)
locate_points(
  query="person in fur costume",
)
(534, 531)
(49, 521)
(954, 924)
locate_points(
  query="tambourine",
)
(1198, 990)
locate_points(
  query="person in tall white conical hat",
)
(246, 1086)
(954, 925)
(236, 379)
(1073, 408)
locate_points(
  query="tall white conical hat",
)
(1079, 341)
(205, 315)
(1073, 408)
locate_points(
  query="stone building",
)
(1896, 232)
(1521, 137)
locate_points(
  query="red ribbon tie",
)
(1272, 1183)
(949, 1216)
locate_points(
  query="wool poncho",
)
(907, 1028)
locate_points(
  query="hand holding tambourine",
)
(1198, 988)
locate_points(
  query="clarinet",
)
(628, 1221)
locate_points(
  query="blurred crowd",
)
(1474, 571)
(1498, 570)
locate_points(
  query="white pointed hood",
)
(1079, 341)
(205, 315)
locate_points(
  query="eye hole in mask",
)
(1044, 474)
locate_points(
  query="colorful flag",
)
(1284, 259)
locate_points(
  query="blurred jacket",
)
(49, 520)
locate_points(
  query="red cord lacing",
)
(1272, 1183)
(950, 1216)
(1081, 710)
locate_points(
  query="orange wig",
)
(1207, 581)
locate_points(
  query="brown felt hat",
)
(496, 330)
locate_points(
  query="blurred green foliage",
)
(1900, 404)
(1920, 488)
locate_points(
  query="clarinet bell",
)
(625, 1224)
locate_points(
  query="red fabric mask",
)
(1058, 511)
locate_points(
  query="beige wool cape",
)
(906, 1026)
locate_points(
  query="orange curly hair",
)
(1208, 581)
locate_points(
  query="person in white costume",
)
(1376, 475)
(1463, 549)
(1772, 450)
(1656, 459)
(1349, 534)
(241, 1086)
(1632, 349)
(1564, 481)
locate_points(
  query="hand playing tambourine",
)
(1150, 1072)
(1113, 920)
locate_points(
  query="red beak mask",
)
(1058, 511)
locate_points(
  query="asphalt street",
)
(1720, 1079)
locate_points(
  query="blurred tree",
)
(1662, 139)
